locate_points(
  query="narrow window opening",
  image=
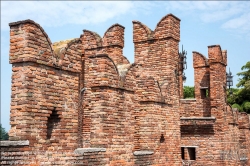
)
(162, 139)
(191, 153)
(182, 153)
(52, 123)
(204, 93)
(207, 93)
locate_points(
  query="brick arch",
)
(113, 71)
(74, 41)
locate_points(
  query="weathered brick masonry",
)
(80, 101)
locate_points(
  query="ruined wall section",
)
(45, 92)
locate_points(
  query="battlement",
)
(30, 43)
(167, 27)
(112, 43)
(215, 54)
(199, 60)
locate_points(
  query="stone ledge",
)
(143, 152)
(89, 150)
(197, 118)
(189, 99)
(243, 158)
(14, 143)
(189, 146)
(204, 87)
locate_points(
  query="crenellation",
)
(168, 27)
(215, 54)
(82, 95)
(141, 32)
(199, 60)
(90, 40)
(114, 36)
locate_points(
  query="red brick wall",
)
(83, 96)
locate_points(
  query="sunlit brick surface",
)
(80, 101)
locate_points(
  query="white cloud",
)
(220, 15)
(239, 25)
(238, 22)
(195, 5)
(57, 13)
(232, 16)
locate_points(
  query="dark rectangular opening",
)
(52, 124)
(182, 153)
(191, 153)
(197, 130)
(204, 93)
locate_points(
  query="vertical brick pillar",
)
(156, 52)
(218, 63)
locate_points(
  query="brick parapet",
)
(112, 44)
(30, 43)
(167, 27)
(114, 36)
(195, 108)
(145, 41)
(215, 54)
(199, 60)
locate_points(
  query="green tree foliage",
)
(3, 135)
(237, 106)
(188, 92)
(233, 97)
(245, 80)
(241, 96)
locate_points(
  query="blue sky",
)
(203, 23)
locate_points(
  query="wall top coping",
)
(203, 87)
(191, 99)
(89, 150)
(14, 143)
(143, 152)
(198, 118)
(189, 146)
